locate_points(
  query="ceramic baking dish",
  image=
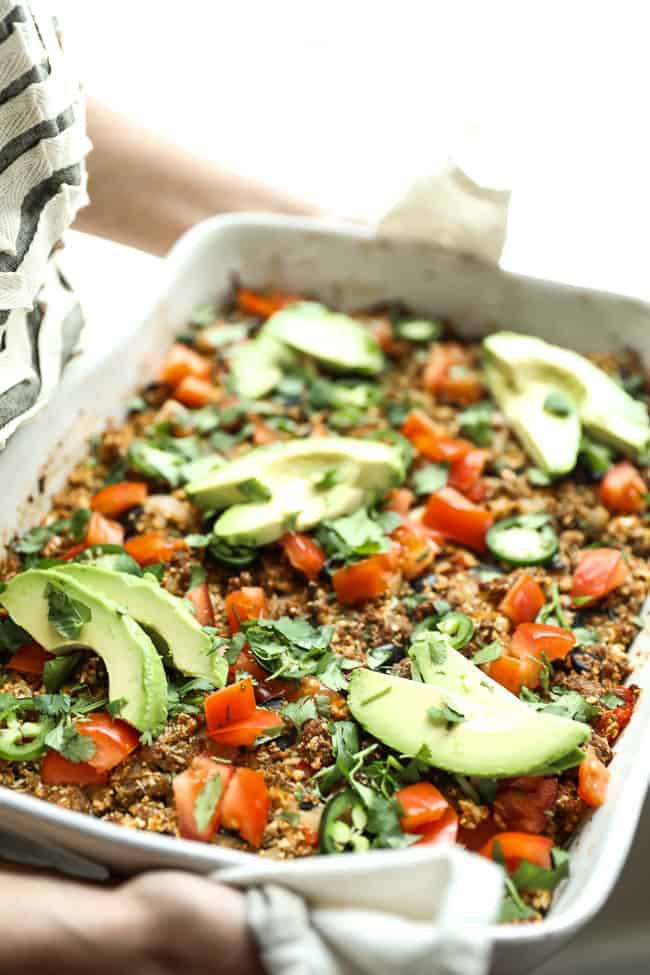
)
(349, 269)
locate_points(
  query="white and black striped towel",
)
(42, 186)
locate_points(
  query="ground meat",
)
(316, 744)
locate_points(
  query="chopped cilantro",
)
(56, 671)
(148, 459)
(187, 698)
(528, 876)
(430, 478)
(557, 404)
(114, 708)
(596, 457)
(206, 802)
(611, 701)
(67, 615)
(328, 479)
(537, 477)
(476, 423)
(488, 653)
(293, 648)
(12, 636)
(377, 657)
(66, 740)
(254, 490)
(300, 711)
(446, 713)
(358, 535)
(585, 636)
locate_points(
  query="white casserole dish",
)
(348, 268)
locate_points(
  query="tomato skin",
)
(400, 500)
(513, 673)
(522, 665)
(248, 603)
(195, 393)
(466, 471)
(72, 552)
(187, 787)
(199, 597)
(247, 730)
(57, 770)
(613, 721)
(263, 306)
(181, 361)
(232, 703)
(265, 688)
(517, 846)
(115, 499)
(623, 490)
(599, 572)
(443, 830)
(593, 779)
(113, 739)
(523, 803)
(103, 531)
(368, 579)
(245, 807)
(417, 549)
(304, 554)
(457, 518)
(382, 333)
(422, 804)
(30, 659)
(153, 547)
(474, 839)
(423, 434)
(439, 375)
(523, 600)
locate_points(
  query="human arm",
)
(146, 191)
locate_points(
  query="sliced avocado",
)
(336, 340)
(530, 379)
(494, 734)
(135, 671)
(256, 367)
(307, 480)
(167, 618)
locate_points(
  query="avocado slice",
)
(135, 671)
(338, 341)
(167, 619)
(499, 737)
(256, 367)
(525, 375)
(308, 480)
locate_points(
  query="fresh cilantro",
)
(290, 816)
(476, 423)
(546, 674)
(596, 457)
(358, 535)
(57, 671)
(377, 657)
(446, 713)
(117, 471)
(486, 573)
(537, 477)
(290, 648)
(149, 460)
(187, 698)
(254, 490)
(552, 610)
(528, 876)
(110, 557)
(559, 765)
(328, 479)
(430, 643)
(488, 653)
(157, 570)
(136, 404)
(206, 802)
(78, 525)
(568, 704)
(33, 541)
(611, 701)
(114, 708)
(198, 541)
(330, 673)
(67, 615)
(66, 740)
(300, 711)
(557, 404)
(411, 602)
(405, 447)
(585, 636)
(12, 636)
(513, 908)
(430, 478)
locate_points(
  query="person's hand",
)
(160, 923)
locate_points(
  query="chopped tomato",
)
(232, 703)
(304, 554)
(474, 839)
(310, 686)
(368, 579)
(199, 597)
(513, 674)
(457, 518)
(523, 600)
(104, 531)
(187, 788)
(30, 659)
(443, 830)
(422, 804)
(113, 739)
(265, 688)
(593, 779)
(523, 664)
(599, 572)
(181, 361)
(523, 803)
(72, 552)
(417, 549)
(400, 500)
(466, 471)
(57, 770)
(195, 392)
(382, 332)
(613, 721)
(248, 603)
(246, 731)
(424, 435)
(115, 499)
(246, 805)
(623, 490)
(263, 306)
(449, 375)
(153, 547)
(520, 846)
(263, 434)
(477, 492)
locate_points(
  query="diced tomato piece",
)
(474, 839)
(443, 830)
(200, 599)
(262, 434)
(57, 770)
(246, 805)
(424, 435)
(187, 788)
(400, 500)
(310, 686)
(263, 306)
(623, 490)
(246, 731)
(523, 803)
(30, 659)
(448, 374)
(477, 492)
(457, 518)
(599, 572)
(613, 721)
(417, 549)
(232, 703)
(368, 579)
(115, 499)
(304, 553)
(422, 804)
(520, 846)
(153, 547)
(382, 332)
(113, 739)
(513, 674)
(195, 392)
(265, 688)
(593, 779)
(181, 361)
(248, 603)
(466, 471)
(523, 600)
(535, 639)
(72, 552)
(104, 531)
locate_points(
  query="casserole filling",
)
(340, 583)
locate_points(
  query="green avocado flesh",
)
(299, 482)
(135, 671)
(499, 737)
(256, 367)
(523, 372)
(185, 642)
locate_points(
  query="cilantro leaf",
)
(447, 713)
(430, 478)
(300, 711)
(611, 701)
(292, 648)
(355, 536)
(12, 636)
(149, 460)
(377, 657)
(66, 740)
(488, 653)
(206, 802)
(528, 876)
(56, 671)
(476, 423)
(67, 615)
